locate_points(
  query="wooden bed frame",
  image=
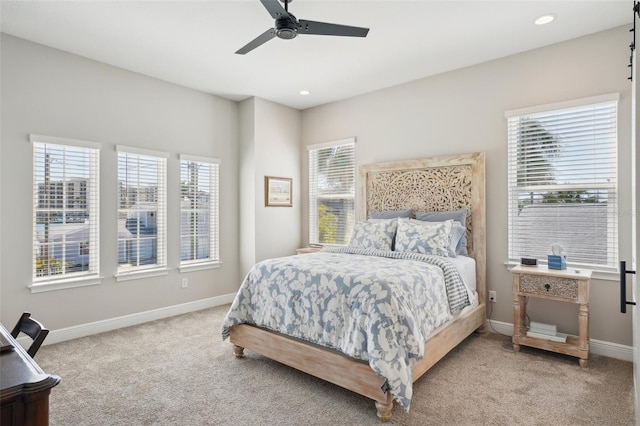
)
(431, 184)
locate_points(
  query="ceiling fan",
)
(288, 27)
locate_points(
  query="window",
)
(142, 210)
(65, 210)
(198, 211)
(563, 182)
(332, 181)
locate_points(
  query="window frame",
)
(610, 270)
(161, 265)
(213, 260)
(80, 278)
(313, 233)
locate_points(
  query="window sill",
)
(64, 284)
(604, 275)
(189, 267)
(147, 273)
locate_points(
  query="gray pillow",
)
(391, 214)
(457, 216)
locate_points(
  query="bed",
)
(438, 184)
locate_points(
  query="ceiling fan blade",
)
(274, 8)
(323, 28)
(258, 41)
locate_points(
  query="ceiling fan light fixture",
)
(286, 33)
(287, 27)
(545, 19)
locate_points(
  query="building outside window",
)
(199, 239)
(563, 182)
(65, 209)
(142, 210)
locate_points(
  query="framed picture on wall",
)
(278, 191)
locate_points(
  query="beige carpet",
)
(177, 371)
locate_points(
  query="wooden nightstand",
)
(561, 285)
(305, 250)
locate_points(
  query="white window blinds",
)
(332, 180)
(563, 182)
(198, 210)
(65, 209)
(142, 210)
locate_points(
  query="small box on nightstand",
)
(528, 261)
(557, 262)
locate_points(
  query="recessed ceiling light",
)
(545, 19)
(304, 92)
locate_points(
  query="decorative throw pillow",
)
(391, 214)
(373, 234)
(423, 237)
(456, 215)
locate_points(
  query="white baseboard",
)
(598, 347)
(82, 330)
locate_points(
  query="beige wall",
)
(46, 91)
(247, 181)
(50, 92)
(278, 136)
(463, 111)
(270, 137)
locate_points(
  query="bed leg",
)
(481, 329)
(238, 351)
(383, 409)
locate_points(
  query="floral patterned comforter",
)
(372, 305)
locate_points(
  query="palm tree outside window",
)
(562, 162)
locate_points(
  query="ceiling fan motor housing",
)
(287, 27)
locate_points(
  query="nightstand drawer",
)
(565, 288)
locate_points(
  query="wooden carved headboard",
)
(432, 184)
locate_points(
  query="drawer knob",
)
(547, 286)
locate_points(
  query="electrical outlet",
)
(185, 282)
(492, 296)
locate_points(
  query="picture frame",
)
(278, 191)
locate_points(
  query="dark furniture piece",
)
(33, 329)
(24, 387)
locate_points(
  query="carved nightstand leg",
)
(384, 410)
(238, 351)
(583, 363)
(516, 348)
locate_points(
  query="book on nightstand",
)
(558, 337)
(542, 328)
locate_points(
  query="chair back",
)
(33, 329)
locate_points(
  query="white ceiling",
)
(192, 43)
